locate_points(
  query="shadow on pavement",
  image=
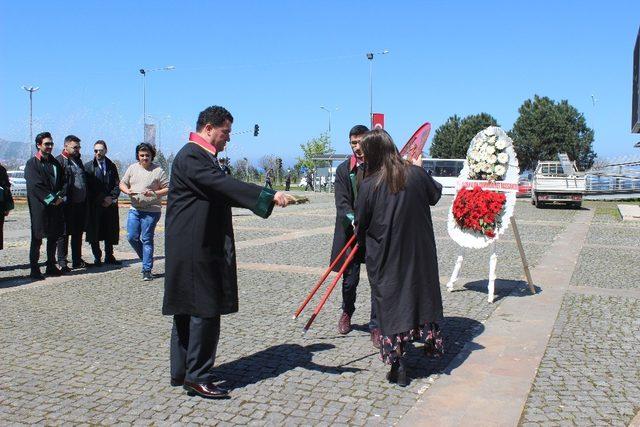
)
(457, 332)
(272, 362)
(503, 288)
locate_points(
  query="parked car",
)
(18, 183)
(524, 188)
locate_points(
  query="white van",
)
(18, 183)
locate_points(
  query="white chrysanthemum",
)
(490, 131)
(499, 170)
(492, 159)
(491, 149)
(501, 144)
(488, 168)
(503, 157)
(492, 139)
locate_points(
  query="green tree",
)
(452, 139)
(546, 128)
(313, 148)
(162, 161)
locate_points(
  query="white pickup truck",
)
(552, 184)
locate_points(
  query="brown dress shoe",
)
(344, 324)
(375, 337)
(209, 391)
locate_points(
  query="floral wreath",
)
(480, 213)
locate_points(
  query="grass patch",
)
(608, 208)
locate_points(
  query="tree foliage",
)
(452, 139)
(313, 148)
(546, 128)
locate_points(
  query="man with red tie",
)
(200, 270)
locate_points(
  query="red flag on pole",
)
(378, 121)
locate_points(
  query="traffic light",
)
(278, 163)
(256, 129)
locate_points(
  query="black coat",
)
(396, 233)
(75, 217)
(200, 269)
(47, 220)
(345, 191)
(6, 204)
(102, 223)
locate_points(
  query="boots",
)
(402, 372)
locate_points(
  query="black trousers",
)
(97, 253)
(194, 342)
(350, 280)
(63, 249)
(34, 252)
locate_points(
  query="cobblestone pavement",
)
(92, 347)
(590, 374)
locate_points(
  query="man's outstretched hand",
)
(282, 199)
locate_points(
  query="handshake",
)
(283, 199)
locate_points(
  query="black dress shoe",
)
(177, 382)
(53, 271)
(112, 260)
(80, 264)
(36, 275)
(209, 391)
(65, 270)
(97, 263)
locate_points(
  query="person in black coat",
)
(349, 175)
(200, 271)
(74, 206)
(45, 192)
(395, 231)
(103, 222)
(6, 201)
(287, 182)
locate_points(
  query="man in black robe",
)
(349, 175)
(200, 270)
(74, 206)
(45, 193)
(103, 222)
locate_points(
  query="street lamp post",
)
(329, 111)
(144, 92)
(30, 89)
(370, 58)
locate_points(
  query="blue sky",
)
(275, 63)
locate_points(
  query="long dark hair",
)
(382, 158)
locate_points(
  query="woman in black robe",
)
(6, 201)
(395, 230)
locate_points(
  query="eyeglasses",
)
(48, 144)
(98, 151)
(77, 147)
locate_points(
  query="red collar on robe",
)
(38, 156)
(65, 154)
(199, 141)
(354, 162)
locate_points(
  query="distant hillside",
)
(14, 153)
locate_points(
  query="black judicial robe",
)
(103, 224)
(345, 191)
(396, 232)
(45, 183)
(200, 266)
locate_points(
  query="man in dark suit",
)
(349, 175)
(74, 206)
(200, 280)
(103, 223)
(45, 193)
